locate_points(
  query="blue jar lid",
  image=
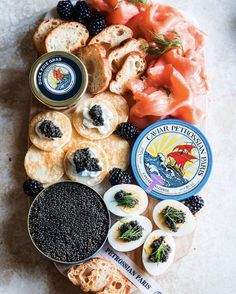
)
(171, 159)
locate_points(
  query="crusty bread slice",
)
(68, 37)
(112, 36)
(93, 275)
(133, 67)
(99, 72)
(118, 285)
(43, 29)
(117, 56)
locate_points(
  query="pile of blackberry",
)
(131, 231)
(32, 187)
(164, 254)
(118, 176)
(194, 203)
(81, 12)
(49, 130)
(96, 115)
(84, 161)
(127, 131)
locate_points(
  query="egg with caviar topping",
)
(158, 252)
(129, 233)
(126, 200)
(174, 218)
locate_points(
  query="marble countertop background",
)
(210, 267)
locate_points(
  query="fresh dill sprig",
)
(173, 217)
(162, 44)
(132, 234)
(160, 254)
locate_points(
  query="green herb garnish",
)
(173, 217)
(125, 199)
(135, 2)
(160, 250)
(130, 231)
(162, 44)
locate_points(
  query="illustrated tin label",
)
(59, 78)
(171, 159)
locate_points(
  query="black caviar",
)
(49, 130)
(83, 160)
(125, 199)
(68, 222)
(130, 231)
(96, 114)
(160, 250)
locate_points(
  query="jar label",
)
(171, 159)
(59, 78)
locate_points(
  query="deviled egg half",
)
(129, 233)
(174, 218)
(126, 200)
(158, 252)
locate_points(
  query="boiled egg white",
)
(122, 211)
(125, 246)
(154, 268)
(184, 229)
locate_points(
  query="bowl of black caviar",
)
(68, 222)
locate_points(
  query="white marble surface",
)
(210, 267)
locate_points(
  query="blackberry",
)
(49, 130)
(96, 24)
(65, 9)
(82, 12)
(127, 131)
(84, 161)
(118, 176)
(194, 203)
(32, 187)
(96, 114)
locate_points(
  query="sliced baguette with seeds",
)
(133, 67)
(117, 56)
(99, 72)
(112, 36)
(68, 36)
(43, 29)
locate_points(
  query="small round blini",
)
(117, 150)
(86, 180)
(94, 133)
(45, 167)
(47, 144)
(186, 228)
(119, 102)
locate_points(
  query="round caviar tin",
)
(171, 159)
(54, 219)
(58, 79)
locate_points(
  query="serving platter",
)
(183, 244)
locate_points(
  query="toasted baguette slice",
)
(93, 275)
(99, 72)
(133, 67)
(43, 29)
(112, 36)
(117, 56)
(68, 37)
(118, 285)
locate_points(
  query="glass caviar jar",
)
(58, 79)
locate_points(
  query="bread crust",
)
(75, 30)
(112, 36)
(99, 72)
(130, 70)
(41, 32)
